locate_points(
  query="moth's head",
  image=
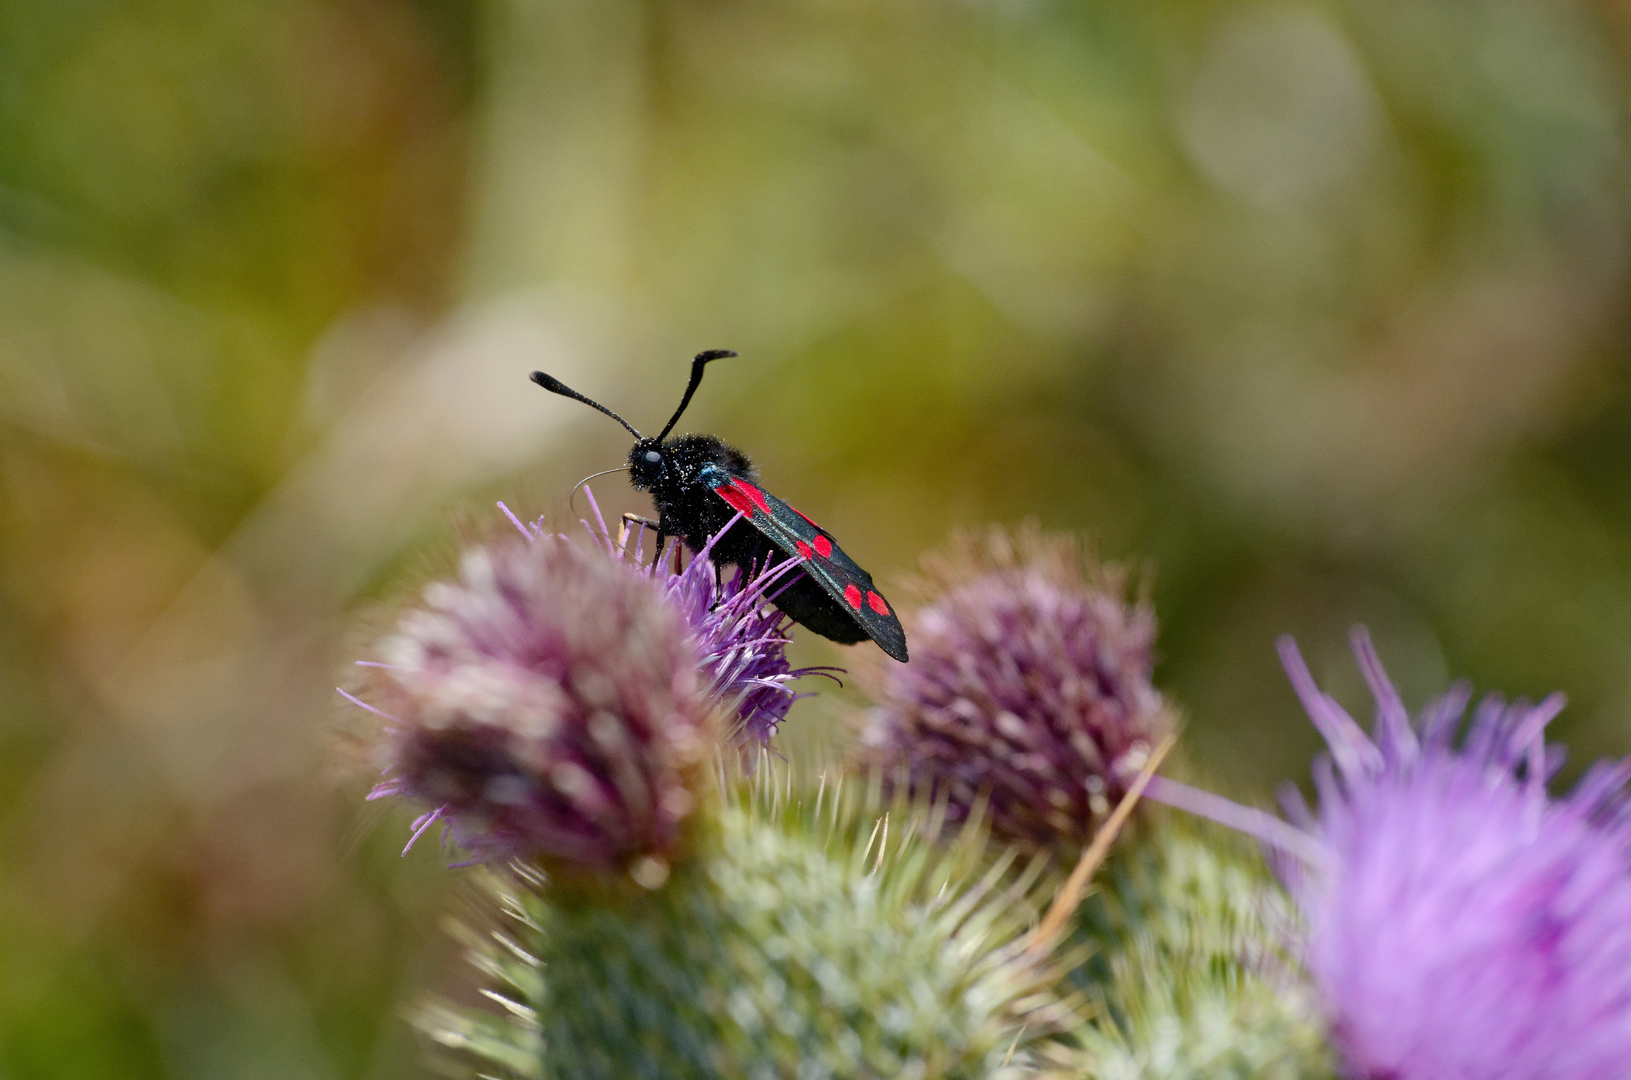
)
(673, 463)
(648, 464)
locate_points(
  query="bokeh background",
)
(1319, 308)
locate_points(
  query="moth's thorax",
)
(669, 468)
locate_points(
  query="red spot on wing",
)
(804, 549)
(753, 493)
(876, 603)
(852, 596)
(823, 548)
(736, 497)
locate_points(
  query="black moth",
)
(698, 484)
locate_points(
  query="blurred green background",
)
(1321, 308)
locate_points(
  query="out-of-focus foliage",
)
(192, 195)
(1320, 306)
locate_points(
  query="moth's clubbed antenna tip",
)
(714, 354)
(556, 386)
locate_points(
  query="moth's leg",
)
(644, 523)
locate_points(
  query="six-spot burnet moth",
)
(698, 484)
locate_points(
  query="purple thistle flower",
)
(556, 700)
(1461, 924)
(741, 642)
(741, 639)
(1029, 685)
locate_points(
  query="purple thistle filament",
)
(1461, 923)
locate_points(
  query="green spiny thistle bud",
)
(1187, 971)
(814, 940)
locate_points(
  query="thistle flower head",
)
(547, 702)
(1461, 924)
(1029, 685)
(557, 700)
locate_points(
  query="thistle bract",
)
(1029, 685)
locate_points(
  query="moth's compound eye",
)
(653, 458)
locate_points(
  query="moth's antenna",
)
(556, 386)
(700, 362)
